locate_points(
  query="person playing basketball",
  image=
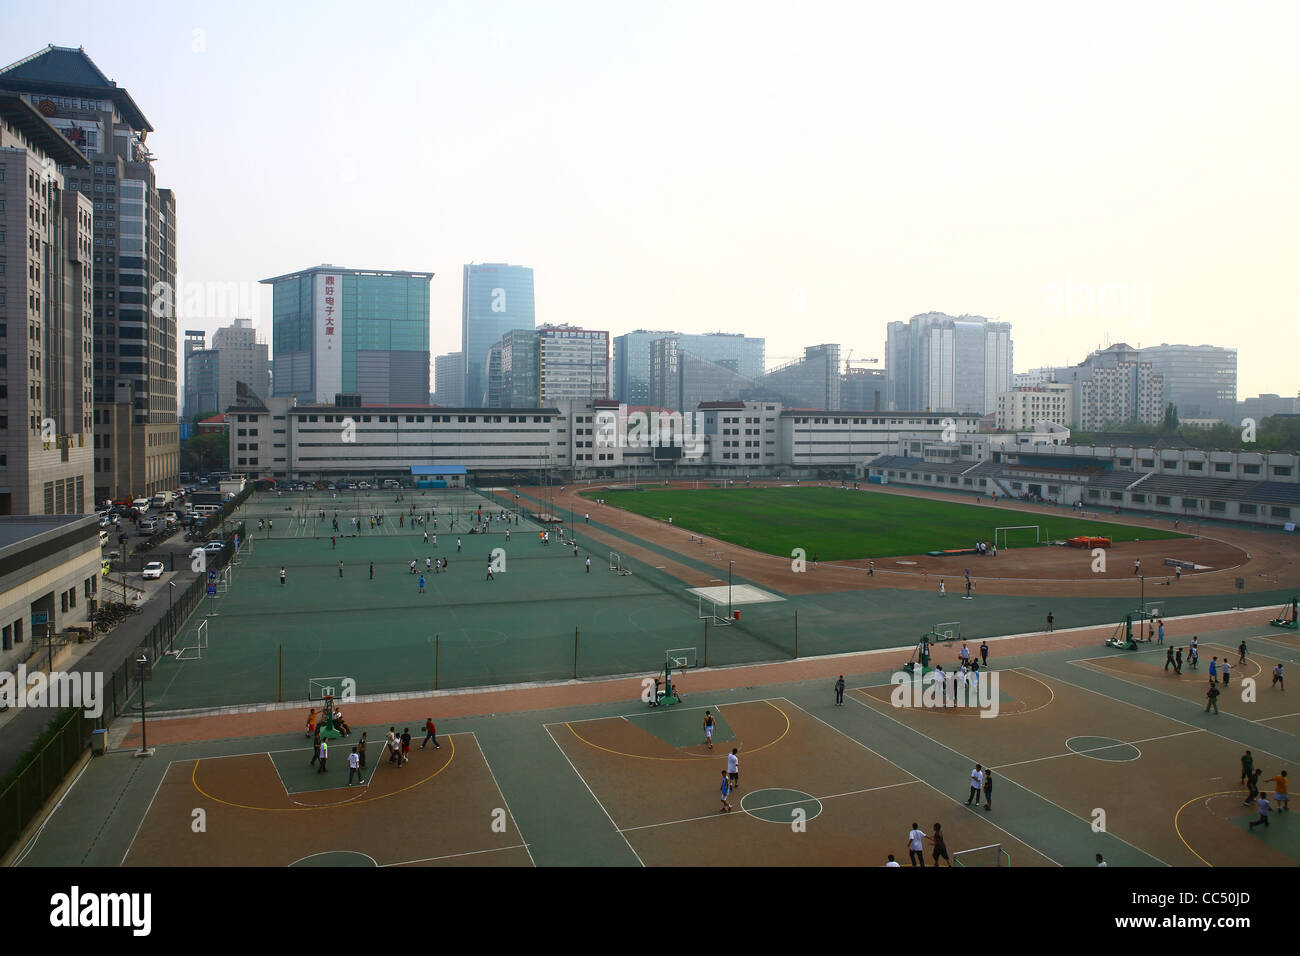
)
(708, 729)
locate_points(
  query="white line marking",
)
(501, 793)
(593, 794)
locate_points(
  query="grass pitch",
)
(836, 524)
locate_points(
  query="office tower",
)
(939, 362)
(738, 353)
(449, 379)
(351, 331)
(134, 268)
(1113, 387)
(241, 359)
(47, 454)
(1200, 379)
(496, 298)
(202, 376)
(529, 368)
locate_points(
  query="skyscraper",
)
(496, 298)
(1200, 379)
(46, 396)
(449, 379)
(945, 363)
(633, 358)
(351, 331)
(134, 276)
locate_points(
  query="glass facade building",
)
(496, 298)
(351, 331)
(946, 363)
(634, 356)
(1200, 379)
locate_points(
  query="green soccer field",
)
(837, 524)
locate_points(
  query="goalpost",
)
(223, 580)
(1001, 542)
(709, 611)
(616, 563)
(991, 855)
(195, 651)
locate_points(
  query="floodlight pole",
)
(1142, 580)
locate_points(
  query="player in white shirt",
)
(733, 769)
(914, 846)
(976, 784)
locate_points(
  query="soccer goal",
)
(711, 611)
(616, 563)
(223, 580)
(680, 658)
(1002, 539)
(991, 855)
(194, 652)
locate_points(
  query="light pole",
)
(171, 600)
(730, 565)
(144, 750)
(1142, 580)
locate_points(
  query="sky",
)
(1092, 173)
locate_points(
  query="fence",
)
(59, 748)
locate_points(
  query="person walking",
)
(315, 747)
(422, 582)
(976, 784)
(1280, 784)
(354, 767)
(406, 744)
(1050, 622)
(708, 729)
(489, 571)
(1226, 670)
(915, 851)
(984, 652)
(340, 569)
(1192, 658)
(726, 791)
(282, 577)
(361, 747)
(458, 544)
(1214, 670)
(733, 768)
(1252, 785)
(1137, 567)
(839, 691)
(430, 733)
(1247, 765)
(1278, 680)
(324, 754)
(589, 565)
(988, 790)
(1161, 632)
(1212, 698)
(1178, 661)
(941, 588)
(372, 570)
(1169, 658)
(1241, 651)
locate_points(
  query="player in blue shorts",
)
(726, 790)
(708, 728)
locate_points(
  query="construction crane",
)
(849, 362)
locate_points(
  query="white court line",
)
(1264, 720)
(1213, 733)
(1092, 750)
(1163, 693)
(675, 709)
(501, 793)
(937, 743)
(789, 803)
(449, 856)
(139, 826)
(593, 794)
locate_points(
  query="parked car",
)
(214, 547)
(152, 571)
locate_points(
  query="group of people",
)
(982, 547)
(397, 745)
(1250, 775)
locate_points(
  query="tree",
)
(1170, 424)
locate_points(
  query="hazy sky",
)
(805, 172)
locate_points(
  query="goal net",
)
(616, 563)
(711, 611)
(1016, 536)
(223, 580)
(991, 855)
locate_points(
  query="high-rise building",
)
(863, 389)
(496, 298)
(1201, 380)
(945, 363)
(449, 379)
(134, 277)
(211, 374)
(1113, 387)
(353, 332)
(533, 367)
(202, 375)
(47, 456)
(741, 354)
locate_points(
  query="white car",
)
(214, 547)
(152, 570)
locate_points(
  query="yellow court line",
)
(693, 757)
(327, 806)
(1178, 812)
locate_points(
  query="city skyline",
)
(1080, 205)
